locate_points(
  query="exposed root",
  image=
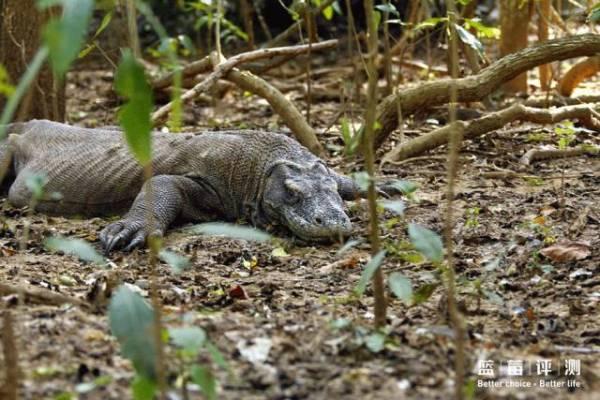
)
(577, 74)
(281, 105)
(493, 121)
(552, 154)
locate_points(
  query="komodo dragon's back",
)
(262, 177)
(95, 173)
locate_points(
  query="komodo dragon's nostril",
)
(318, 220)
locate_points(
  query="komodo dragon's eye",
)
(293, 192)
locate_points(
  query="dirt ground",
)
(299, 333)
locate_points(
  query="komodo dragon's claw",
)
(126, 235)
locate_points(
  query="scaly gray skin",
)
(264, 178)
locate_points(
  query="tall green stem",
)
(22, 88)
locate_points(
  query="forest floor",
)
(299, 333)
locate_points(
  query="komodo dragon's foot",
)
(126, 235)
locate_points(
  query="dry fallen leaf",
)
(238, 292)
(567, 251)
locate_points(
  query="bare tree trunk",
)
(20, 26)
(543, 18)
(514, 21)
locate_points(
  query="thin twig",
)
(453, 167)
(10, 391)
(368, 151)
(224, 67)
(41, 296)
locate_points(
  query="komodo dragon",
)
(265, 178)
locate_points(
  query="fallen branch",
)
(556, 101)
(476, 87)
(553, 154)
(291, 116)
(40, 296)
(491, 122)
(224, 67)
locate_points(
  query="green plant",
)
(206, 15)
(472, 215)
(566, 134)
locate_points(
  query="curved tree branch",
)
(476, 87)
(224, 67)
(292, 117)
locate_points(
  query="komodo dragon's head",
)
(305, 199)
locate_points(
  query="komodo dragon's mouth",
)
(321, 231)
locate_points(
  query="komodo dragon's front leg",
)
(349, 189)
(170, 198)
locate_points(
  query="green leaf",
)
(216, 356)
(203, 377)
(279, 252)
(231, 231)
(351, 140)
(401, 286)
(423, 293)
(375, 342)
(595, 13)
(143, 388)
(362, 180)
(368, 272)
(395, 206)
(340, 323)
(105, 21)
(337, 8)
(76, 247)
(64, 396)
(132, 322)
(6, 88)
(388, 8)
(467, 38)
(346, 133)
(347, 246)
(36, 183)
(427, 242)
(176, 261)
(189, 338)
(403, 186)
(328, 13)
(470, 388)
(430, 23)
(65, 36)
(377, 19)
(187, 44)
(134, 115)
(482, 30)
(103, 24)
